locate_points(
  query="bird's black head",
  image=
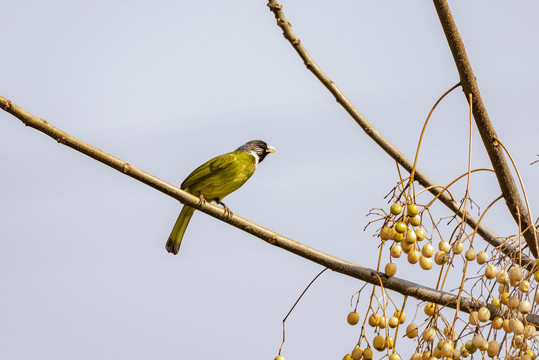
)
(257, 148)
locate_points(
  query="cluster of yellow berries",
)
(406, 232)
(379, 342)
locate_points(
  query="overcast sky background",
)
(166, 86)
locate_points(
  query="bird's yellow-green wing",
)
(207, 169)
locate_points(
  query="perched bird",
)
(216, 179)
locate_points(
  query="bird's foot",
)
(202, 200)
(227, 212)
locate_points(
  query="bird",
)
(214, 180)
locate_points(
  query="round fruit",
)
(444, 246)
(413, 256)
(496, 303)
(397, 236)
(396, 209)
(412, 210)
(389, 342)
(420, 233)
(497, 323)
(383, 322)
(395, 251)
(379, 342)
(515, 275)
(347, 357)
(368, 354)
(411, 331)
(411, 237)
(473, 319)
(393, 322)
(400, 227)
(440, 257)
(386, 233)
(390, 269)
(491, 271)
(425, 263)
(493, 348)
(429, 334)
(536, 276)
(502, 277)
(483, 314)
(513, 302)
(279, 357)
(477, 341)
(353, 318)
(401, 316)
(415, 220)
(524, 307)
(516, 326)
(447, 348)
(394, 356)
(357, 353)
(430, 309)
(458, 247)
(524, 286)
(427, 250)
(374, 319)
(482, 257)
(470, 255)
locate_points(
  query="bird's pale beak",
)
(270, 149)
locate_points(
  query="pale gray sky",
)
(167, 85)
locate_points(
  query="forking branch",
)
(503, 173)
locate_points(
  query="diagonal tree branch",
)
(482, 230)
(507, 183)
(402, 286)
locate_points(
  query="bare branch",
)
(444, 197)
(402, 286)
(507, 183)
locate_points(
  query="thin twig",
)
(297, 301)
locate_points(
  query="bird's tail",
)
(176, 236)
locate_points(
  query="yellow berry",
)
(411, 331)
(353, 318)
(374, 319)
(357, 353)
(415, 220)
(420, 233)
(390, 269)
(425, 263)
(400, 227)
(430, 309)
(393, 322)
(279, 357)
(470, 255)
(368, 354)
(411, 210)
(396, 209)
(386, 233)
(482, 257)
(379, 342)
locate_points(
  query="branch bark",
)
(374, 277)
(507, 183)
(488, 235)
